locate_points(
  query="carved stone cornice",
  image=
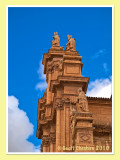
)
(100, 100)
(103, 126)
(84, 114)
(69, 80)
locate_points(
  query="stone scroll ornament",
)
(56, 40)
(82, 105)
(70, 46)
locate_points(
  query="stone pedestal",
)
(82, 132)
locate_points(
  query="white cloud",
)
(99, 53)
(40, 71)
(19, 128)
(105, 67)
(42, 85)
(100, 88)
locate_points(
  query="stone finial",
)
(82, 101)
(71, 43)
(56, 40)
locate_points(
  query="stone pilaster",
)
(49, 94)
(59, 107)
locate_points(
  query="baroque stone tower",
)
(65, 123)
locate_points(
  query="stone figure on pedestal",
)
(56, 40)
(82, 105)
(71, 43)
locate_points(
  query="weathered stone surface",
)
(68, 121)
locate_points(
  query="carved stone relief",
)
(84, 138)
(52, 66)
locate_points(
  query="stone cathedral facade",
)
(68, 120)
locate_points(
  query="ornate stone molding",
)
(59, 104)
(45, 140)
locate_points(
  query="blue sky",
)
(30, 32)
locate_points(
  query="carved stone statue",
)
(56, 40)
(82, 105)
(71, 43)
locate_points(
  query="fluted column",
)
(67, 126)
(66, 141)
(59, 106)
